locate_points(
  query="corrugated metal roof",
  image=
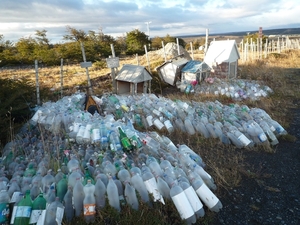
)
(133, 74)
(222, 51)
(194, 66)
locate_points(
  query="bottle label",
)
(81, 131)
(244, 140)
(207, 197)
(96, 134)
(4, 209)
(168, 124)
(193, 199)
(262, 137)
(158, 124)
(89, 209)
(156, 112)
(183, 205)
(23, 211)
(76, 127)
(59, 215)
(149, 120)
(35, 215)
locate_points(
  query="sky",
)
(21, 18)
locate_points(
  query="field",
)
(228, 165)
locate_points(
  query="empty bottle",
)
(151, 185)
(4, 207)
(78, 196)
(38, 206)
(113, 195)
(100, 191)
(182, 203)
(130, 196)
(23, 210)
(89, 202)
(54, 213)
(68, 204)
(137, 182)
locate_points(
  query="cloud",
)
(21, 18)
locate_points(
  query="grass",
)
(225, 163)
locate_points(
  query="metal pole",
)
(37, 82)
(113, 74)
(86, 69)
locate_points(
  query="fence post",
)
(113, 74)
(162, 43)
(191, 44)
(87, 70)
(61, 77)
(37, 82)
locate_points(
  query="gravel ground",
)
(271, 194)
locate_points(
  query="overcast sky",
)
(21, 18)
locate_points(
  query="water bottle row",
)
(237, 89)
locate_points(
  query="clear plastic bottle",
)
(68, 204)
(137, 182)
(193, 198)
(189, 126)
(113, 195)
(78, 196)
(89, 202)
(151, 185)
(130, 196)
(182, 203)
(54, 213)
(100, 191)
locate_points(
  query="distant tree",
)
(25, 48)
(156, 42)
(41, 37)
(121, 42)
(135, 41)
(168, 39)
(74, 34)
(254, 38)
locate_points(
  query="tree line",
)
(97, 47)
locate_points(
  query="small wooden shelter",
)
(222, 57)
(133, 79)
(170, 70)
(194, 70)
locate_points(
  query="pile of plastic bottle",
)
(236, 89)
(104, 156)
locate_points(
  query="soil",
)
(270, 193)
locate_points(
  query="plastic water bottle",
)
(38, 206)
(78, 196)
(68, 204)
(62, 188)
(89, 202)
(130, 196)
(205, 194)
(189, 126)
(182, 203)
(100, 191)
(4, 207)
(151, 185)
(23, 211)
(54, 213)
(193, 198)
(139, 185)
(163, 188)
(113, 195)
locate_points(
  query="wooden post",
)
(113, 74)
(61, 77)
(206, 41)
(37, 82)
(178, 49)
(87, 70)
(162, 43)
(137, 59)
(191, 44)
(147, 58)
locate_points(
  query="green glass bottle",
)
(38, 205)
(125, 140)
(87, 176)
(62, 188)
(23, 211)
